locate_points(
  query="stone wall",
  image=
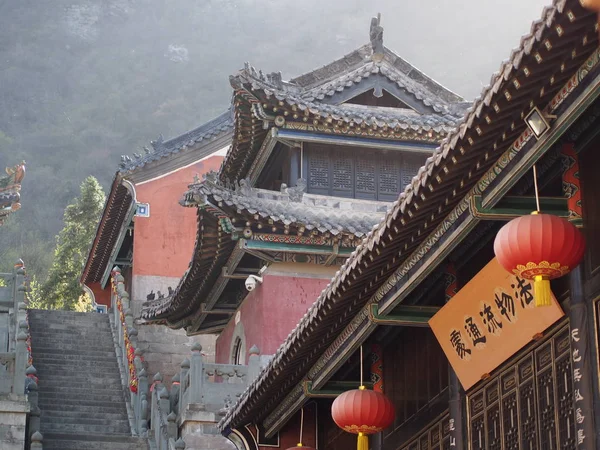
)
(13, 416)
(164, 348)
(199, 431)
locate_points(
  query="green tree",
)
(61, 289)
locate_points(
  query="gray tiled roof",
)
(395, 69)
(446, 107)
(161, 149)
(291, 206)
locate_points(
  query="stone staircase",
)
(81, 396)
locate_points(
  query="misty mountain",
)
(84, 81)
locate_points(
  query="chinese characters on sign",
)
(488, 321)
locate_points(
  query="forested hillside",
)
(84, 81)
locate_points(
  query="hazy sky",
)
(460, 43)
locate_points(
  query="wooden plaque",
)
(490, 319)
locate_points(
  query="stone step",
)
(54, 427)
(89, 392)
(83, 365)
(79, 404)
(71, 347)
(42, 324)
(82, 415)
(67, 326)
(85, 335)
(45, 358)
(42, 313)
(90, 396)
(78, 387)
(57, 353)
(81, 379)
(54, 441)
(51, 339)
(84, 407)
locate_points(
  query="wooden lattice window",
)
(529, 405)
(436, 436)
(359, 173)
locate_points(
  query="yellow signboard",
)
(490, 319)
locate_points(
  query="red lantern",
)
(362, 412)
(539, 247)
(593, 5)
(299, 445)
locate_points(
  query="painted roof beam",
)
(512, 207)
(404, 316)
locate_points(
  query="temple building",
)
(145, 233)
(448, 335)
(315, 162)
(10, 190)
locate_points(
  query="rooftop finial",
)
(376, 35)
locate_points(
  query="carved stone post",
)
(163, 406)
(22, 310)
(185, 367)
(20, 284)
(174, 394)
(36, 441)
(163, 398)
(196, 374)
(180, 444)
(141, 412)
(128, 319)
(172, 425)
(253, 364)
(20, 360)
(34, 410)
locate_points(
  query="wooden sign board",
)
(488, 321)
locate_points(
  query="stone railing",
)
(129, 357)
(199, 395)
(163, 419)
(18, 377)
(213, 386)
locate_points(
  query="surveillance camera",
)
(252, 281)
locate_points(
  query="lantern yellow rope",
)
(362, 442)
(543, 293)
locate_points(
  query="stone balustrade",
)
(130, 358)
(18, 377)
(198, 396)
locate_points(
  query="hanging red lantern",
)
(593, 5)
(539, 247)
(362, 412)
(300, 446)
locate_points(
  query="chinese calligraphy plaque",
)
(488, 321)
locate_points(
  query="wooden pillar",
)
(456, 393)
(580, 316)
(294, 166)
(377, 379)
(571, 184)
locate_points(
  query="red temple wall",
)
(164, 242)
(270, 313)
(101, 296)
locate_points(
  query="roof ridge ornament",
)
(376, 36)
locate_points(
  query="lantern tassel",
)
(362, 442)
(543, 293)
